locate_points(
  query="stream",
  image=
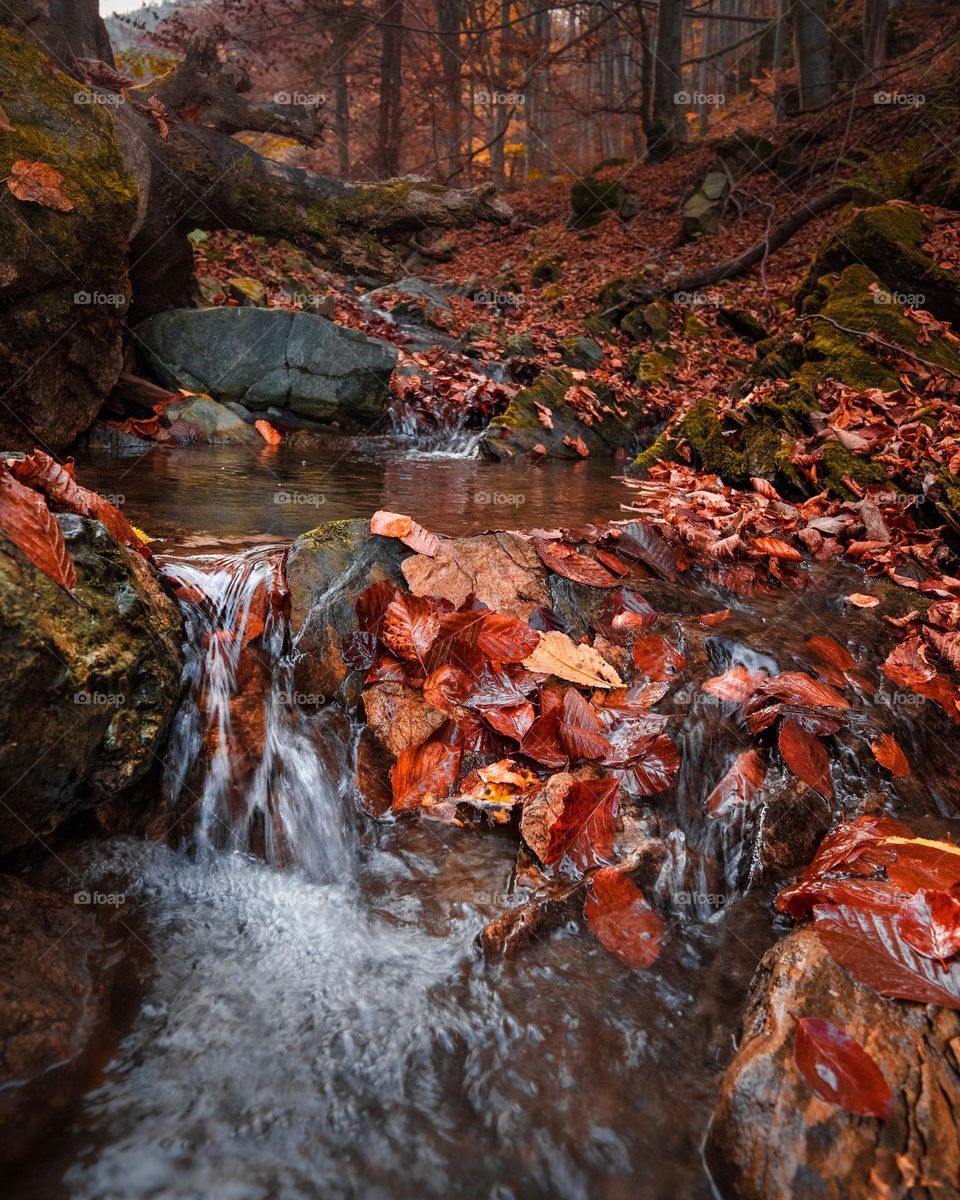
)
(317, 1022)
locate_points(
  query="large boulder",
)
(64, 290)
(265, 358)
(91, 679)
(772, 1138)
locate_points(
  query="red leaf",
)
(410, 625)
(424, 775)
(579, 731)
(622, 919)
(806, 756)
(797, 688)
(740, 784)
(735, 685)
(42, 471)
(888, 754)
(447, 687)
(585, 830)
(571, 564)
(930, 923)
(397, 525)
(657, 657)
(646, 544)
(271, 436)
(828, 650)
(775, 548)
(28, 523)
(839, 1070)
(621, 615)
(513, 720)
(497, 636)
(714, 618)
(907, 665)
(947, 645)
(653, 764)
(869, 945)
(541, 742)
(372, 604)
(850, 841)
(800, 899)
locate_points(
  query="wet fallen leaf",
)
(410, 625)
(38, 183)
(29, 524)
(739, 786)
(657, 657)
(930, 923)
(571, 564)
(406, 529)
(424, 775)
(735, 685)
(839, 1070)
(273, 437)
(861, 600)
(585, 830)
(806, 756)
(621, 918)
(888, 754)
(559, 656)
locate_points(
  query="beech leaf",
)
(558, 655)
(839, 1070)
(38, 183)
(621, 918)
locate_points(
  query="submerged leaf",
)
(622, 919)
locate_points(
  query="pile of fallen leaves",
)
(28, 488)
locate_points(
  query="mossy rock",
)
(519, 345)
(579, 351)
(648, 320)
(653, 367)
(701, 211)
(887, 239)
(64, 289)
(517, 430)
(591, 200)
(91, 680)
(544, 269)
(743, 323)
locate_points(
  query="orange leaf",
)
(271, 436)
(888, 754)
(28, 523)
(38, 183)
(806, 756)
(622, 919)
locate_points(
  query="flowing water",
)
(317, 1021)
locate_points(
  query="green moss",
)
(592, 199)
(654, 366)
(544, 269)
(839, 463)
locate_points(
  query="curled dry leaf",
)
(888, 754)
(839, 1070)
(621, 918)
(273, 437)
(38, 183)
(861, 600)
(406, 529)
(29, 524)
(558, 655)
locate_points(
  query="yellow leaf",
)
(558, 655)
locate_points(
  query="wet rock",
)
(701, 212)
(327, 569)
(200, 419)
(519, 428)
(532, 920)
(772, 1139)
(412, 299)
(544, 269)
(90, 680)
(743, 323)
(271, 357)
(54, 1002)
(579, 351)
(64, 290)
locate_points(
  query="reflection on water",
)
(197, 494)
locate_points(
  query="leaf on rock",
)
(579, 729)
(653, 764)
(803, 690)
(775, 548)
(38, 183)
(739, 786)
(839, 1070)
(622, 615)
(646, 544)
(571, 564)
(806, 756)
(586, 828)
(907, 666)
(29, 524)
(424, 775)
(410, 625)
(406, 529)
(621, 918)
(869, 946)
(272, 436)
(888, 754)
(657, 657)
(558, 655)
(512, 720)
(930, 923)
(861, 600)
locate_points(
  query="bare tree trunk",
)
(391, 61)
(668, 126)
(875, 34)
(341, 113)
(812, 39)
(449, 19)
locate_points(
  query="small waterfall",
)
(244, 755)
(445, 436)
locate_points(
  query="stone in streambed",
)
(90, 680)
(200, 419)
(264, 358)
(772, 1138)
